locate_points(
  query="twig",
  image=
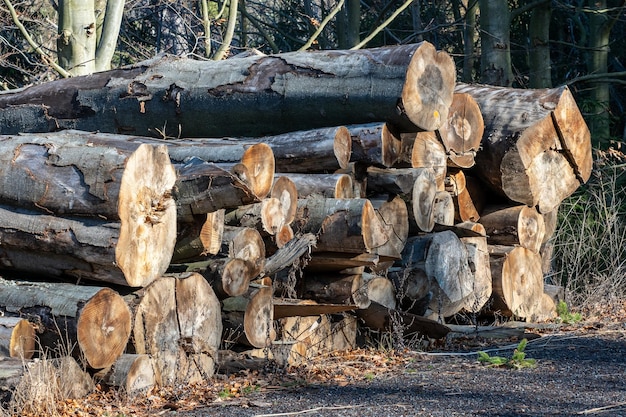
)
(382, 26)
(321, 27)
(311, 410)
(601, 409)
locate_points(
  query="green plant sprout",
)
(565, 316)
(517, 361)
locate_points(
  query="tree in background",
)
(521, 43)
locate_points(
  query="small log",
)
(291, 307)
(229, 277)
(443, 208)
(96, 319)
(380, 290)
(391, 180)
(339, 261)
(177, 322)
(427, 152)
(478, 260)
(375, 144)
(443, 258)
(336, 289)
(204, 187)
(250, 317)
(381, 318)
(285, 191)
(423, 199)
(530, 135)
(342, 225)
(17, 338)
(324, 185)
(464, 208)
(201, 238)
(132, 373)
(517, 280)
(517, 225)
(463, 132)
(267, 217)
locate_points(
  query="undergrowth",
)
(590, 241)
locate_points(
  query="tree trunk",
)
(96, 319)
(168, 96)
(529, 136)
(177, 320)
(17, 338)
(539, 51)
(495, 57)
(76, 44)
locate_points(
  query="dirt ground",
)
(580, 370)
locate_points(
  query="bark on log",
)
(85, 248)
(392, 180)
(517, 225)
(169, 96)
(177, 322)
(17, 338)
(133, 374)
(463, 132)
(292, 307)
(536, 145)
(95, 318)
(517, 280)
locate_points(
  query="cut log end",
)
(258, 319)
(342, 146)
(428, 90)
(17, 338)
(260, 164)
(104, 328)
(148, 216)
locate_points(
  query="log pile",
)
(310, 194)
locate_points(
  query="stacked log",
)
(368, 192)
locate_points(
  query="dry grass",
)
(590, 241)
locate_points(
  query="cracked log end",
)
(429, 86)
(103, 328)
(148, 216)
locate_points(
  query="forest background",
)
(517, 43)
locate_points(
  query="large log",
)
(410, 85)
(536, 145)
(95, 318)
(177, 320)
(84, 248)
(132, 373)
(79, 173)
(336, 289)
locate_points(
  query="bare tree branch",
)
(230, 31)
(32, 43)
(382, 26)
(321, 27)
